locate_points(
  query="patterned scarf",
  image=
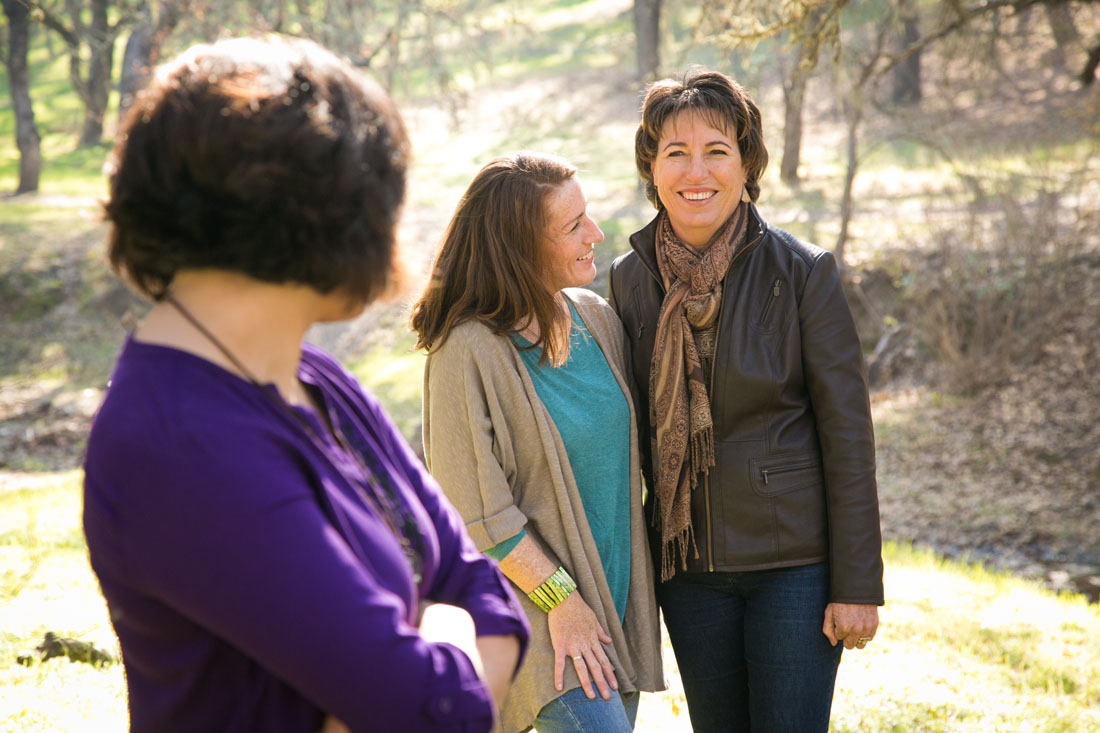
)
(678, 401)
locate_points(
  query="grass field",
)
(959, 649)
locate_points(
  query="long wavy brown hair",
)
(490, 265)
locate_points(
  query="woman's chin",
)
(587, 276)
(342, 309)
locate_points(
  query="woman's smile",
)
(699, 176)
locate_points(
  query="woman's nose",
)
(595, 233)
(697, 169)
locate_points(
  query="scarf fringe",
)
(681, 542)
(702, 454)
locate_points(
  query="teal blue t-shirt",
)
(591, 414)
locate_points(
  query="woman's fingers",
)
(582, 673)
(853, 623)
(608, 670)
(577, 634)
(592, 672)
(559, 671)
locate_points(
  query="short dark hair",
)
(491, 264)
(267, 157)
(724, 104)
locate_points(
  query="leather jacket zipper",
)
(713, 365)
(764, 473)
(768, 305)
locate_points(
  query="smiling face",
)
(699, 176)
(569, 238)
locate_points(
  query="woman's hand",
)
(499, 655)
(441, 622)
(332, 725)
(576, 633)
(854, 624)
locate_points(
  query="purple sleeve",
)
(241, 549)
(464, 576)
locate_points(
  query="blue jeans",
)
(575, 713)
(750, 648)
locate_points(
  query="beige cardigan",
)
(492, 446)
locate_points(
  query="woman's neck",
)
(260, 325)
(530, 329)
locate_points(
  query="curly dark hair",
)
(267, 157)
(724, 104)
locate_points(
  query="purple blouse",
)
(251, 584)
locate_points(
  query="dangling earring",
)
(745, 195)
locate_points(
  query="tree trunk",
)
(907, 88)
(794, 93)
(305, 18)
(1088, 74)
(854, 109)
(647, 23)
(1064, 30)
(393, 43)
(101, 41)
(26, 133)
(136, 63)
(143, 50)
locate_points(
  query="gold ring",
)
(863, 639)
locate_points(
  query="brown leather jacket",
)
(794, 480)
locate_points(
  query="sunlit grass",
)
(47, 585)
(960, 648)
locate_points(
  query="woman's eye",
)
(718, 151)
(676, 154)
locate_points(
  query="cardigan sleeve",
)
(466, 452)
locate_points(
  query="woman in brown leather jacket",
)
(754, 412)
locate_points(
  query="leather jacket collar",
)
(644, 241)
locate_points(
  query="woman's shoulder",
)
(591, 305)
(786, 244)
(470, 337)
(584, 297)
(469, 342)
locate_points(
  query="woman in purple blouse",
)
(273, 556)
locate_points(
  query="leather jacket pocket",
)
(770, 316)
(782, 474)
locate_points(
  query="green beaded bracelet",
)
(553, 590)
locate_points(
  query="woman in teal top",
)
(530, 431)
(592, 417)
